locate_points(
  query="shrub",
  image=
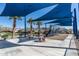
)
(5, 36)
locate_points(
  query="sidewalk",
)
(55, 43)
(42, 51)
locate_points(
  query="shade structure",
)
(66, 22)
(22, 9)
(78, 6)
(63, 10)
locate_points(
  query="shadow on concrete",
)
(23, 39)
(6, 44)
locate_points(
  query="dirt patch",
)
(58, 37)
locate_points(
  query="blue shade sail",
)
(66, 22)
(63, 10)
(78, 6)
(22, 9)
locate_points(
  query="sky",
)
(5, 21)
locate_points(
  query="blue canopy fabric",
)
(66, 22)
(63, 10)
(22, 9)
(78, 6)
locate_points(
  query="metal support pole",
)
(45, 27)
(25, 25)
(75, 25)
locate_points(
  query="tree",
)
(14, 18)
(30, 22)
(38, 23)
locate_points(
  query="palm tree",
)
(39, 23)
(14, 18)
(30, 22)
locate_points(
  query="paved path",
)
(15, 50)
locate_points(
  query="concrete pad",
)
(72, 53)
(16, 51)
(40, 51)
(74, 43)
(31, 51)
(56, 43)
